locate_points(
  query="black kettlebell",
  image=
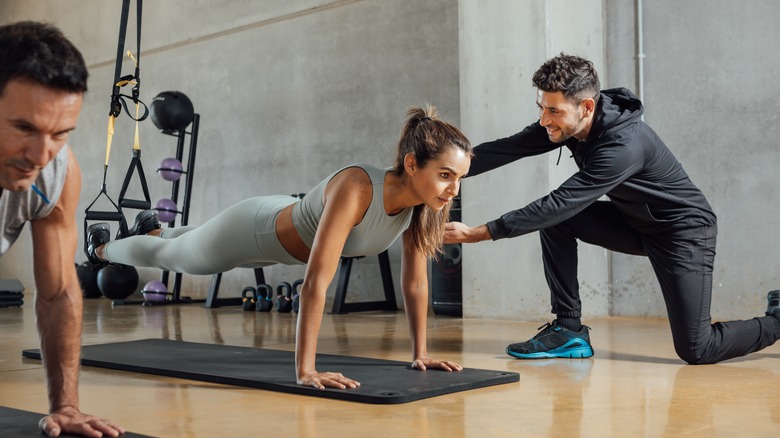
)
(284, 297)
(296, 299)
(265, 297)
(249, 298)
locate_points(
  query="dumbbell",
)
(248, 298)
(296, 299)
(265, 297)
(284, 297)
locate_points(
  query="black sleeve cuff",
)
(496, 229)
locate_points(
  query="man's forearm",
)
(59, 327)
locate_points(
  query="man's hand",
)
(68, 419)
(457, 232)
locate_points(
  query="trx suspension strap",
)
(117, 103)
(135, 163)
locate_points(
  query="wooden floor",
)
(634, 386)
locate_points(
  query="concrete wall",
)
(290, 90)
(501, 47)
(709, 70)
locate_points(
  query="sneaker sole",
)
(574, 349)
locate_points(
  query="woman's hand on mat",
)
(70, 420)
(422, 363)
(332, 380)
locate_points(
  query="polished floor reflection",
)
(634, 386)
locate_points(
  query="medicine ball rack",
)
(118, 102)
(184, 210)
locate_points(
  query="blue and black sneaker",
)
(554, 341)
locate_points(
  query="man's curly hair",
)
(574, 76)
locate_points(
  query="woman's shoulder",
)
(377, 174)
(362, 172)
(354, 177)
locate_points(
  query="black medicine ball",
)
(171, 111)
(117, 282)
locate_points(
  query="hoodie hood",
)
(618, 106)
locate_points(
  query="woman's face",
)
(439, 181)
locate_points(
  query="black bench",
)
(340, 306)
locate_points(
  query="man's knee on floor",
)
(691, 359)
(693, 355)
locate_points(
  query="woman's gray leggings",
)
(243, 235)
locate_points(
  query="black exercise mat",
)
(382, 381)
(22, 424)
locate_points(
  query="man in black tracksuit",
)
(653, 210)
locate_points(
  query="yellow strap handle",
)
(111, 118)
(110, 137)
(137, 142)
(130, 55)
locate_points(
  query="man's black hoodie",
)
(622, 158)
